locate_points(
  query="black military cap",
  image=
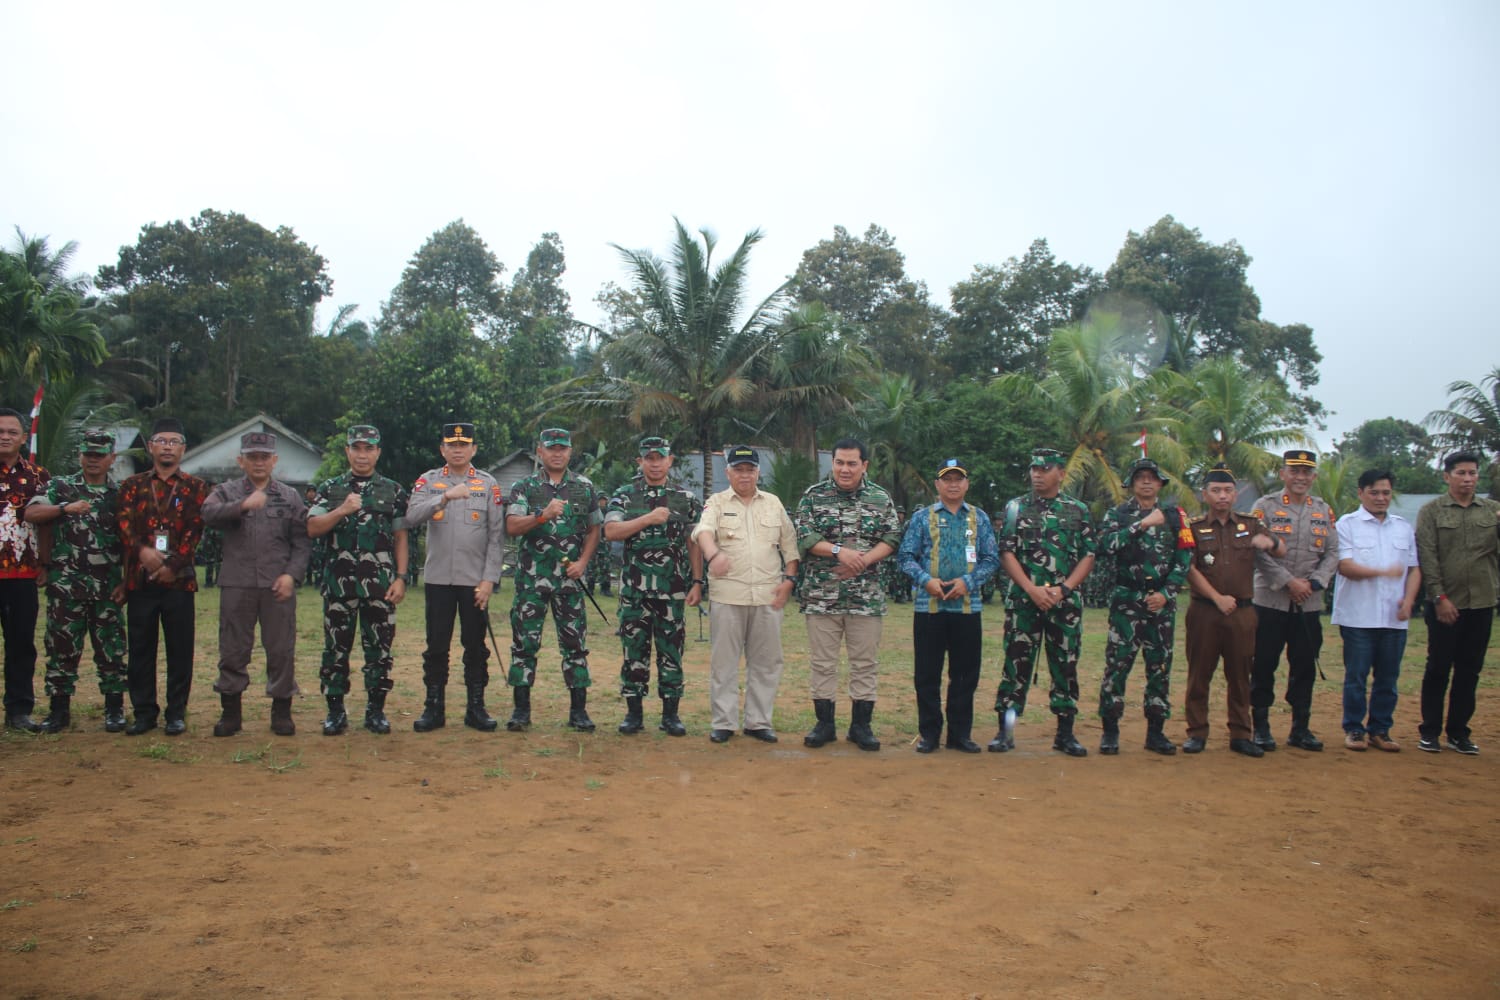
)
(654, 445)
(742, 454)
(1299, 457)
(1220, 473)
(461, 431)
(258, 443)
(1146, 465)
(97, 442)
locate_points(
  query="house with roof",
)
(296, 463)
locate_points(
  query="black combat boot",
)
(824, 730)
(433, 716)
(144, 722)
(1109, 743)
(230, 721)
(338, 719)
(1005, 739)
(476, 716)
(114, 713)
(670, 723)
(375, 720)
(578, 716)
(1302, 737)
(1064, 740)
(860, 733)
(520, 719)
(635, 720)
(1260, 720)
(281, 717)
(59, 717)
(1156, 740)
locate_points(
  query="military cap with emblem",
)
(742, 454)
(654, 445)
(461, 431)
(952, 465)
(1043, 457)
(258, 442)
(556, 437)
(1220, 473)
(366, 433)
(97, 442)
(1146, 465)
(1299, 457)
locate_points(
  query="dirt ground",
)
(556, 865)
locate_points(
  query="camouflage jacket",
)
(87, 559)
(1147, 559)
(859, 519)
(360, 553)
(656, 558)
(1049, 537)
(541, 551)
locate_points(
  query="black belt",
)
(1239, 602)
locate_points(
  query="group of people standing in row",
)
(1255, 581)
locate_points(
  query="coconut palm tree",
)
(690, 365)
(45, 330)
(1472, 420)
(817, 374)
(1223, 413)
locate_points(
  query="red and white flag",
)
(1140, 442)
(36, 412)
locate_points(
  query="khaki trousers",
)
(859, 635)
(239, 610)
(752, 632)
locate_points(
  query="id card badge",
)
(971, 554)
(160, 542)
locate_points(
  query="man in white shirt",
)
(1378, 581)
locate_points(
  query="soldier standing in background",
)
(1289, 598)
(265, 556)
(360, 519)
(84, 583)
(465, 554)
(659, 573)
(1047, 546)
(555, 514)
(1153, 548)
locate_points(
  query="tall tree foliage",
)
(217, 304)
(1223, 413)
(1404, 448)
(689, 365)
(1472, 421)
(46, 331)
(818, 378)
(454, 269)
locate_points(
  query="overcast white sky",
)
(1350, 147)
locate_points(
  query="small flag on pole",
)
(1140, 442)
(36, 413)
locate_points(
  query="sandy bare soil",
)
(556, 865)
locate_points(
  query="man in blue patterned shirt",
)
(949, 551)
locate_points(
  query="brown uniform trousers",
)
(1226, 557)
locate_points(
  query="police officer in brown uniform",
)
(1289, 598)
(265, 557)
(1221, 617)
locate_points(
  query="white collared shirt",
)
(1376, 544)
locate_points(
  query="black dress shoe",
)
(720, 735)
(142, 724)
(963, 746)
(175, 727)
(924, 745)
(22, 722)
(764, 735)
(1246, 747)
(1193, 745)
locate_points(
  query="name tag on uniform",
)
(971, 554)
(160, 541)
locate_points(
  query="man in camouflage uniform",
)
(1152, 547)
(845, 526)
(556, 516)
(660, 572)
(85, 582)
(1046, 541)
(1289, 597)
(360, 519)
(465, 554)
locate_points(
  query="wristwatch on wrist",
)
(837, 548)
(789, 578)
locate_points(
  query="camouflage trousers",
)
(377, 630)
(69, 621)
(526, 617)
(1027, 630)
(1133, 627)
(644, 620)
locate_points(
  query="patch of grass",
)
(23, 840)
(25, 946)
(542, 751)
(165, 751)
(281, 767)
(498, 771)
(250, 755)
(594, 784)
(15, 904)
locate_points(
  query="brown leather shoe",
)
(1355, 741)
(1383, 741)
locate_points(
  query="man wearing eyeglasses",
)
(161, 522)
